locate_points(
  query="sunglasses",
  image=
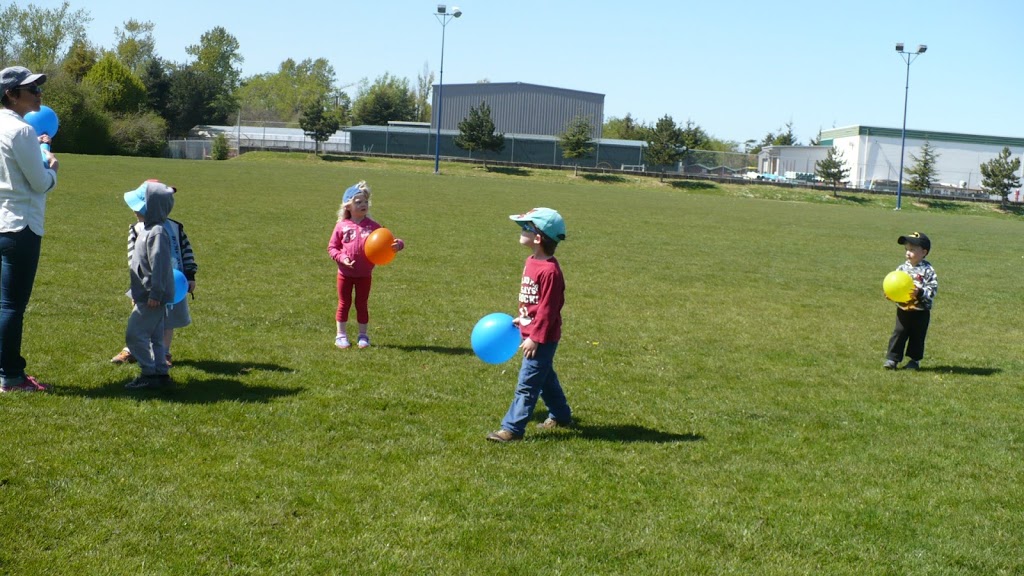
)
(31, 89)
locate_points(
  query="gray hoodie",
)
(150, 267)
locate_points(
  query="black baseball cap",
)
(916, 239)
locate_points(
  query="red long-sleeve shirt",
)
(541, 296)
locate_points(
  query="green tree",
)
(577, 140)
(319, 123)
(665, 143)
(84, 125)
(924, 172)
(39, 38)
(157, 82)
(80, 59)
(999, 175)
(217, 57)
(781, 138)
(118, 90)
(832, 169)
(476, 132)
(190, 98)
(388, 98)
(693, 137)
(283, 95)
(625, 128)
(424, 84)
(135, 46)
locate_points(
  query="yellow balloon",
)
(898, 286)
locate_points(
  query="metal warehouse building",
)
(873, 153)
(518, 108)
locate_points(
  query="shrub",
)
(142, 134)
(220, 147)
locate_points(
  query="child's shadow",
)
(230, 368)
(450, 350)
(963, 370)
(624, 433)
(192, 391)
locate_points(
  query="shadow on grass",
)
(451, 351)
(230, 368)
(191, 392)
(940, 205)
(604, 178)
(624, 433)
(509, 170)
(963, 370)
(693, 185)
(335, 158)
(852, 199)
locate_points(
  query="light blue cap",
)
(350, 193)
(136, 199)
(548, 221)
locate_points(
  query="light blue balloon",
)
(180, 287)
(495, 338)
(44, 121)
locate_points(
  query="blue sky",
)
(738, 69)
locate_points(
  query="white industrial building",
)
(873, 155)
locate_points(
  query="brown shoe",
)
(504, 436)
(123, 357)
(551, 424)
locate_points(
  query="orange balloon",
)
(378, 246)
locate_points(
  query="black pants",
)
(911, 329)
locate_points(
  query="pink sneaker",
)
(29, 384)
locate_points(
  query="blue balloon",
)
(180, 287)
(495, 338)
(44, 121)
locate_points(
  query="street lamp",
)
(443, 16)
(908, 57)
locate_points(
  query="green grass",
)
(721, 350)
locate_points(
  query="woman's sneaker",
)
(29, 384)
(123, 357)
(341, 341)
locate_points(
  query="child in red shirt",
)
(354, 269)
(541, 296)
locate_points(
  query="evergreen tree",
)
(119, 91)
(924, 172)
(319, 123)
(576, 141)
(476, 132)
(999, 175)
(832, 169)
(665, 143)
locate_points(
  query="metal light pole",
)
(443, 16)
(908, 57)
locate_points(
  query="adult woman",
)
(25, 180)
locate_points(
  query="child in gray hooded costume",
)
(152, 284)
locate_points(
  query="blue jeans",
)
(537, 379)
(19, 252)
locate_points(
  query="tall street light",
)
(908, 57)
(443, 16)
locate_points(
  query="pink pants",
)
(362, 289)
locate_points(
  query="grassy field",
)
(722, 351)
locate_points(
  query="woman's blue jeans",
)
(19, 252)
(537, 379)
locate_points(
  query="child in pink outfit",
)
(354, 269)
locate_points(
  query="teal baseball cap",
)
(548, 221)
(136, 199)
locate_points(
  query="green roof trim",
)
(931, 136)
